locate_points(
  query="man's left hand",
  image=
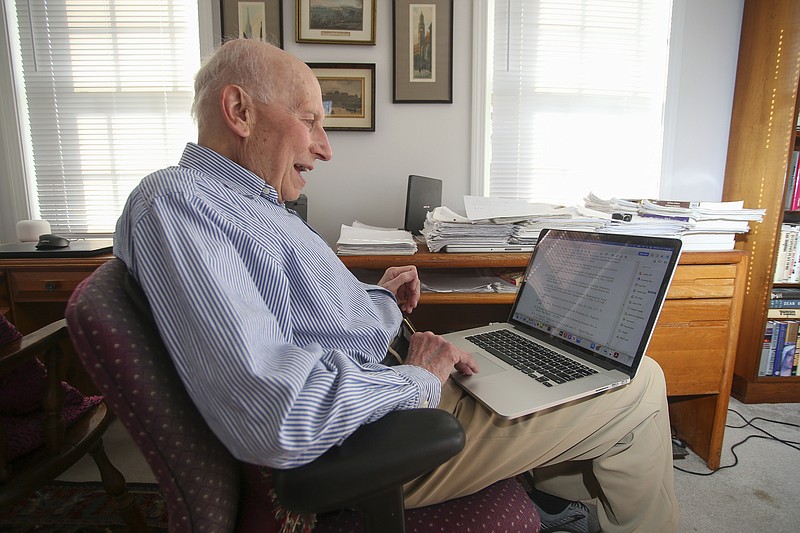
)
(403, 282)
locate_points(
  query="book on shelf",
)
(780, 339)
(773, 344)
(791, 200)
(780, 349)
(784, 359)
(765, 348)
(784, 303)
(785, 293)
(787, 262)
(786, 313)
(793, 371)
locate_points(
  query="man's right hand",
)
(438, 356)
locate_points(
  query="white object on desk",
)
(30, 230)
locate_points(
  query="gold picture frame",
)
(335, 21)
(348, 94)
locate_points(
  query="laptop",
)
(422, 195)
(589, 303)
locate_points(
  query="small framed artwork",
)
(423, 51)
(348, 94)
(261, 20)
(335, 21)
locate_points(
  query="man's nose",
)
(322, 148)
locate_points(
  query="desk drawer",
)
(703, 281)
(690, 343)
(45, 286)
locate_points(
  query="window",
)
(105, 92)
(576, 99)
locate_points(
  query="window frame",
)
(483, 17)
(18, 196)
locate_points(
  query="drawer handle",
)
(50, 285)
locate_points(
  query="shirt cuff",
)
(429, 386)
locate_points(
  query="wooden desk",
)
(694, 341)
(34, 292)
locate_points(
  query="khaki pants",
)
(615, 447)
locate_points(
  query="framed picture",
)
(423, 51)
(348, 94)
(335, 21)
(262, 20)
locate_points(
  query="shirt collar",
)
(227, 172)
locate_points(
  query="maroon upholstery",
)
(122, 354)
(21, 393)
(200, 480)
(504, 506)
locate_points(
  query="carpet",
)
(63, 507)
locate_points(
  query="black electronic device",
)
(422, 195)
(49, 241)
(300, 206)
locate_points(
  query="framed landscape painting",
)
(335, 21)
(348, 94)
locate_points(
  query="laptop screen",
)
(599, 294)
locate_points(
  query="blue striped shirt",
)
(277, 343)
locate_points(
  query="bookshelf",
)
(763, 136)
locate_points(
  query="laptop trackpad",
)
(485, 367)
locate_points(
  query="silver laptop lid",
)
(595, 295)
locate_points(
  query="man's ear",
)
(237, 110)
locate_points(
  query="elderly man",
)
(281, 347)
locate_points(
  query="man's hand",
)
(403, 282)
(438, 356)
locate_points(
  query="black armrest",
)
(399, 447)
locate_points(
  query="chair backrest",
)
(118, 343)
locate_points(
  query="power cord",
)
(767, 436)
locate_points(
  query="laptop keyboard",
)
(540, 363)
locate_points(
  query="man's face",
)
(288, 137)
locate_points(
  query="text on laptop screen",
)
(595, 294)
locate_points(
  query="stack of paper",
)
(657, 227)
(443, 280)
(701, 225)
(574, 218)
(445, 227)
(362, 239)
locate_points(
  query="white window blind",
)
(577, 97)
(107, 89)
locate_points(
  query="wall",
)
(366, 179)
(702, 75)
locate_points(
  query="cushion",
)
(21, 389)
(503, 506)
(8, 332)
(21, 392)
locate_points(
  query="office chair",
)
(46, 425)
(207, 489)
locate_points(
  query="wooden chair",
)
(43, 435)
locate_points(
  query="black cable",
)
(769, 436)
